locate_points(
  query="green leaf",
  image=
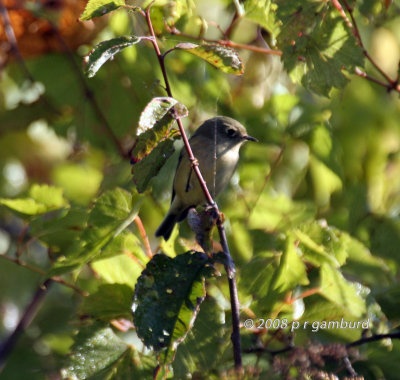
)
(223, 58)
(99, 354)
(106, 50)
(41, 199)
(111, 301)
(97, 8)
(201, 351)
(361, 264)
(322, 244)
(59, 232)
(111, 214)
(291, 271)
(155, 125)
(316, 45)
(167, 298)
(279, 213)
(256, 275)
(263, 13)
(344, 294)
(120, 269)
(148, 167)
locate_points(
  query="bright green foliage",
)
(317, 44)
(97, 8)
(41, 199)
(155, 125)
(336, 289)
(223, 58)
(167, 298)
(106, 50)
(311, 214)
(262, 13)
(114, 211)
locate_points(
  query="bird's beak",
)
(249, 138)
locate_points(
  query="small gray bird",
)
(216, 145)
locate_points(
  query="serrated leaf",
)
(41, 199)
(97, 8)
(149, 166)
(110, 301)
(155, 125)
(167, 299)
(106, 50)
(316, 45)
(335, 288)
(223, 58)
(111, 214)
(314, 252)
(99, 354)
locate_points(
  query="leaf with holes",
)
(97, 8)
(98, 353)
(223, 58)
(106, 50)
(155, 125)
(167, 298)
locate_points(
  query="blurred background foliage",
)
(312, 213)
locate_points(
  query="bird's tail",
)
(167, 226)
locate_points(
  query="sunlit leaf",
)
(167, 299)
(341, 292)
(106, 50)
(120, 269)
(155, 125)
(41, 199)
(97, 8)
(223, 58)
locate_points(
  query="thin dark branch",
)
(229, 264)
(228, 43)
(30, 312)
(261, 350)
(231, 26)
(391, 84)
(373, 338)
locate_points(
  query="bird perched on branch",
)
(215, 145)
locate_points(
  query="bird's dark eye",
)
(231, 132)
